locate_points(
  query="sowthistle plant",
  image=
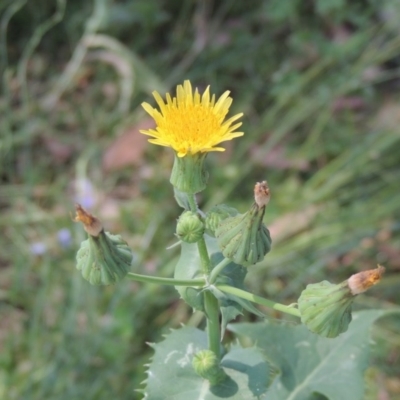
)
(217, 247)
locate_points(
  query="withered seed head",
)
(362, 281)
(261, 193)
(91, 224)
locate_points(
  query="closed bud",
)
(103, 258)
(325, 308)
(190, 227)
(206, 364)
(244, 238)
(216, 215)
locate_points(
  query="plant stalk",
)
(217, 269)
(192, 202)
(210, 302)
(259, 300)
(199, 282)
(213, 327)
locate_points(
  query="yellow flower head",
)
(192, 123)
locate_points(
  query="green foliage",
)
(288, 362)
(318, 84)
(309, 364)
(189, 267)
(171, 376)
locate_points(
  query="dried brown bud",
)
(261, 193)
(359, 283)
(91, 224)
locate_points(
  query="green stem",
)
(217, 269)
(259, 300)
(210, 302)
(204, 257)
(201, 244)
(192, 202)
(166, 281)
(213, 328)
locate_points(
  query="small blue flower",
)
(38, 248)
(64, 237)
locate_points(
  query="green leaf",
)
(311, 365)
(240, 362)
(229, 311)
(182, 199)
(188, 267)
(172, 377)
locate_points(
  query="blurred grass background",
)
(318, 82)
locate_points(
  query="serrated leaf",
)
(311, 365)
(228, 313)
(172, 377)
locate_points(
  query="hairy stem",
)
(192, 202)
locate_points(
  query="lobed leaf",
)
(312, 366)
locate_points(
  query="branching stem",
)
(259, 300)
(217, 269)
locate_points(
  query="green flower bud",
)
(190, 227)
(244, 238)
(325, 308)
(188, 173)
(103, 258)
(216, 215)
(206, 364)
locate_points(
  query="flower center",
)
(191, 127)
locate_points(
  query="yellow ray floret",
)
(190, 123)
